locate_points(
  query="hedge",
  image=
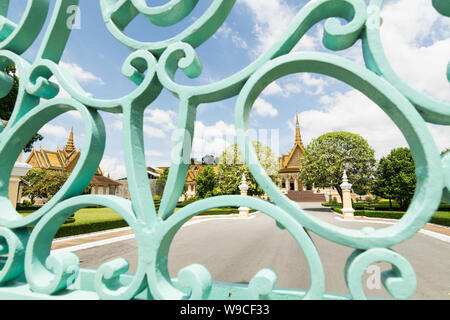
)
(90, 220)
(70, 230)
(379, 206)
(440, 217)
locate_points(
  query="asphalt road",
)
(235, 250)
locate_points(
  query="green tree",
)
(206, 182)
(327, 156)
(395, 177)
(161, 181)
(381, 184)
(8, 102)
(231, 167)
(44, 183)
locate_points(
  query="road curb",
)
(78, 242)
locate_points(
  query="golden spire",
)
(70, 147)
(298, 137)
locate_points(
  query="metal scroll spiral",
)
(152, 66)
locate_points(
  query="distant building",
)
(289, 173)
(65, 160)
(290, 163)
(191, 176)
(153, 174)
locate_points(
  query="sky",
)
(415, 37)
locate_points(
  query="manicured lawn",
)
(440, 217)
(89, 220)
(98, 219)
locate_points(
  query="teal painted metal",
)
(31, 272)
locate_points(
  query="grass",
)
(382, 205)
(440, 217)
(89, 220)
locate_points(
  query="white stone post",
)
(347, 209)
(20, 169)
(244, 189)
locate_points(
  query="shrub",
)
(440, 217)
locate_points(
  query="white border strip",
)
(93, 244)
(128, 236)
(91, 234)
(429, 233)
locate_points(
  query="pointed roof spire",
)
(298, 137)
(70, 147)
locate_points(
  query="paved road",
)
(234, 250)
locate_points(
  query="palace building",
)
(290, 163)
(289, 173)
(65, 159)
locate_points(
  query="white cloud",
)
(315, 84)
(272, 89)
(226, 32)
(113, 166)
(264, 108)
(223, 31)
(212, 139)
(54, 131)
(412, 39)
(74, 114)
(153, 132)
(165, 119)
(116, 125)
(238, 41)
(153, 153)
(271, 18)
(352, 112)
(298, 83)
(80, 74)
(440, 135)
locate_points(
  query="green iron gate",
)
(29, 271)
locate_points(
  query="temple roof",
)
(195, 169)
(70, 147)
(286, 160)
(102, 180)
(64, 159)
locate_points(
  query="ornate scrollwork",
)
(400, 281)
(431, 110)
(152, 67)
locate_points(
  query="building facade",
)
(65, 160)
(289, 164)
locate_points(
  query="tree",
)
(395, 177)
(44, 183)
(206, 181)
(231, 167)
(8, 102)
(326, 157)
(209, 159)
(161, 181)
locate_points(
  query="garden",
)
(380, 208)
(97, 218)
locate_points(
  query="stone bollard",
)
(244, 189)
(347, 209)
(20, 169)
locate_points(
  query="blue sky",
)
(418, 52)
